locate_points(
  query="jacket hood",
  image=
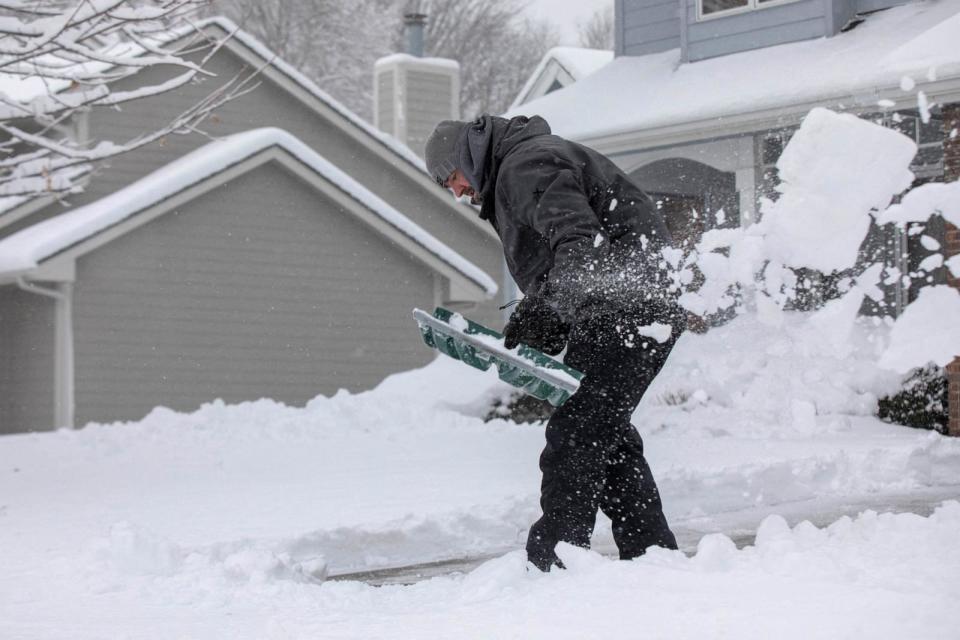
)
(486, 142)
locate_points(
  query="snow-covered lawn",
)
(211, 524)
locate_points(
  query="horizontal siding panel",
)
(269, 105)
(428, 81)
(385, 82)
(653, 32)
(26, 361)
(792, 32)
(655, 12)
(189, 308)
(650, 27)
(654, 46)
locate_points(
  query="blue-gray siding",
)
(648, 26)
(801, 20)
(842, 11)
(26, 361)
(259, 288)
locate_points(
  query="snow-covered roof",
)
(24, 89)
(918, 41)
(396, 58)
(577, 62)
(26, 249)
(249, 41)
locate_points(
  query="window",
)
(772, 145)
(928, 135)
(719, 8)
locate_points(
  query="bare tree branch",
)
(68, 57)
(598, 32)
(336, 43)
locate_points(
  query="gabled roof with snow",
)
(920, 41)
(24, 89)
(28, 248)
(271, 63)
(576, 62)
(268, 56)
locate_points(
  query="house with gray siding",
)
(281, 260)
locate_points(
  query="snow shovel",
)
(534, 372)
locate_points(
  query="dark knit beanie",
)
(441, 152)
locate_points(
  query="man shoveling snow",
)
(584, 244)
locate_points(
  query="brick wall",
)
(951, 122)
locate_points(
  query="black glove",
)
(536, 324)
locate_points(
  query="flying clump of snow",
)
(835, 171)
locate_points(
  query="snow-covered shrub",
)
(520, 408)
(921, 403)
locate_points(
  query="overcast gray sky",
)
(566, 14)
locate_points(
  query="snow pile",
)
(880, 576)
(761, 370)
(876, 575)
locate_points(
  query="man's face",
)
(458, 183)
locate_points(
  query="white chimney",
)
(411, 94)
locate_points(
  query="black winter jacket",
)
(573, 226)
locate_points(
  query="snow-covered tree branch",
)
(60, 58)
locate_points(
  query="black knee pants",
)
(594, 456)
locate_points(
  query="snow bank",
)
(753, 367)
(876, 575)
(881, 576)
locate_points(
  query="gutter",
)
(864, 100)
(64, 397)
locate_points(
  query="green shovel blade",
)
(478, 346)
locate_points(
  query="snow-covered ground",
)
(216, 524)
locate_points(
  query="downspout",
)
(64, 403)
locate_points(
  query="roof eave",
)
(721, 126)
